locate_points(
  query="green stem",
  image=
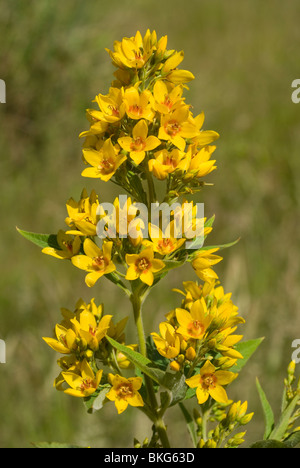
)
(157, 419)
(151, 188)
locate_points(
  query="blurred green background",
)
(244, 56)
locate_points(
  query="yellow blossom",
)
(204, 137)
(138, 105)
(133, 52)
(166, 162)
(83, 384)
(112, 107)
(203, 262)
(143, 266)
(193, 324)
(91, 331)
(168, 342)
(210, 383)
(163, 243)
(124, 392)
(200, 163)
(140, 142)
(69, 246)
(104, 162)
(176, 126)
(65, 341)
(96, 261)
(82, 216)
(166, 97)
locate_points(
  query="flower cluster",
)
(144, 137)
(198, 338)
(81, 338)
(143, 123)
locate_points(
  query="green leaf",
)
(157, 359)
(246, 348)
(41, 240)
(190, 423)
(208, 247)
(210, 221)
(114, 278)
(140, 361)
(268, 444)
(293, 439)
(268, 412)
(175, 383)
(282, 425)
(96, 400)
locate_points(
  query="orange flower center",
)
(68, 245)
(171, 162)
(143, 264)
(168, 103)
(208, 381)
(166, 244)
(172, 127)
(99, 263)
(124, 390)
(138, 144)
(63, 340)
(196, 329)
(85, 384)
(106, 166)
(114, 110)
(136, 109)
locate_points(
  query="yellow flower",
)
(138, 105)
(65, 342)
(168, 342)
(91, 331)
(203, 262)
(172, 74)
(69, 246)
(166, 97)
(112, 107)
(210, 383)
(143, 265)
(140, 142)
(104, 162)
(166, 162)
(82, 216)
(204, 137)
(124, 392)
(133, 52)
(83, 384)
(96, 261)
(166, 243)
(195, 323)
(200, 163)
(172, 62)
(176, 126)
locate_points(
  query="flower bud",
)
(246, 419)
(175, 366)
(190, 353)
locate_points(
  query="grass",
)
(244, 56)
